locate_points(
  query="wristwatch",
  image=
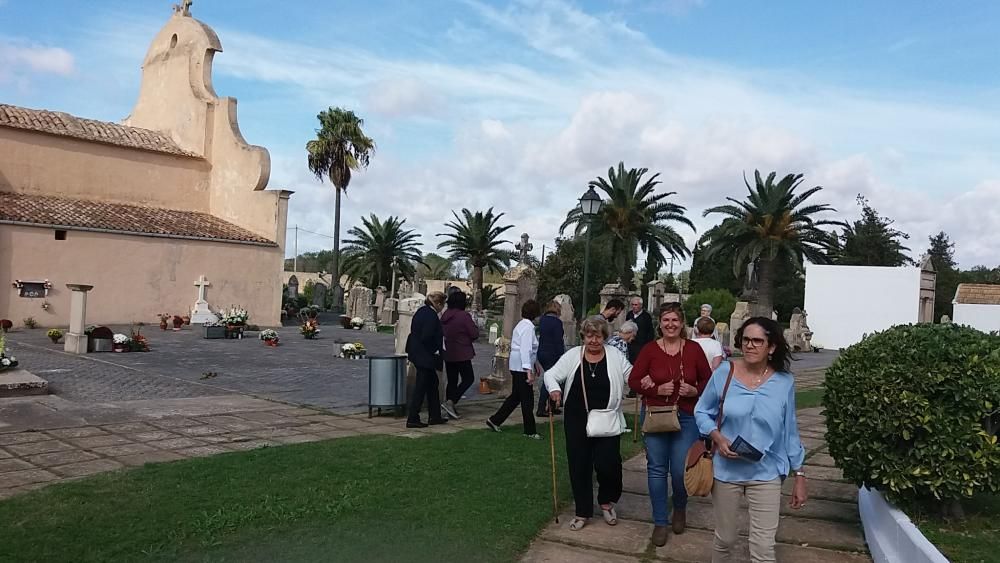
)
(799, 473)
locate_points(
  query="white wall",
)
(846, 302)
(983, 317)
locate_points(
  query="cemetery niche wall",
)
(143, 208)
(847, 302)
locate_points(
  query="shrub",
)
(30, 322)
(905, 412)
(722, 301)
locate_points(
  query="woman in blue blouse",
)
(758, 444)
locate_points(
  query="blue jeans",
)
(666, 452)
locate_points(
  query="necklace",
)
(592, 368)
(758, 380)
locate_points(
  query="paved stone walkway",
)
(826, 530)
(171, 429)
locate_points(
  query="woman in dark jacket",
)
(550, 348)
(460, 331)
(424, 350)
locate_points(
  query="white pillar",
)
(76, 339)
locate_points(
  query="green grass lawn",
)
(973, 540)
(473, 495)
(809, 399)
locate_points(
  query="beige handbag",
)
(665, 419)
(699, 474)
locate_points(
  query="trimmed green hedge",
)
(721, 300)
(905, 412)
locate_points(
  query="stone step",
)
(796, 529)
(695, 546)
(551, 552)
(21, 383)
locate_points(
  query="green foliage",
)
(379, 247)
(634, 217)
(321, 261)
(437, 267)
(476, 238)
(340, 147)
(905, 412)
(563, 271)
(942, 253)
(773, 225)
(871, 241)
(722, 301)
(492, 299)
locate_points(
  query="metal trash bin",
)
(386, 383)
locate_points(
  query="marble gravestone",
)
(201, 313)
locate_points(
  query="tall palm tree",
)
(475, 238)
(635, 218)
(340, 146)
(437, 267)
(376, 246)
(772, 224)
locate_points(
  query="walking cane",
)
(635, 421)
(552, 451)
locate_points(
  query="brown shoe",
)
(660, 536)
(680, 520)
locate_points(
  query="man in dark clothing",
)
(425, 350)
(612, 310)
(645, 334)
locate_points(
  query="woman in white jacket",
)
(604, 371)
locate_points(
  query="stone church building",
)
(144, 208)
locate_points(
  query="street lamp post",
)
(590, 206)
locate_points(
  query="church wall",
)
(43, 164)
(135, 277)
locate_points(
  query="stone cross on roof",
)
(523, 247)
(184, 8)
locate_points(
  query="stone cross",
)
(202, 283)
(184, 8)
(523, 247)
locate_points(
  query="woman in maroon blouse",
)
(670, 370)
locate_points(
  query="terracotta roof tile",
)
(978, 294)
(119, 217)
(59, 123)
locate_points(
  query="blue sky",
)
(518, 105)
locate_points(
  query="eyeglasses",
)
(753, 342)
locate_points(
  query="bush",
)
(722, 301)
(905, 412)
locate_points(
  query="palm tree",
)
(437, 267)
(634, 218)
(772, 224)
(340, 146)
(475, 238)
(370, 255)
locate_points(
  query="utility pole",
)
(295, 260)
(543, 256)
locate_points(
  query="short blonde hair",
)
(595, 325)
(436, 298)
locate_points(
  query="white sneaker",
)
(449, 408)
(533, 436)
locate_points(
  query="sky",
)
(518, 105)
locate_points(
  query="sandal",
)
(577, 524)
(610, 516)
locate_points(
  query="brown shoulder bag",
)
(698, 471)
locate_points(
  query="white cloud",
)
(21, 58)
(404, 97)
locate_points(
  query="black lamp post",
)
(590, 206)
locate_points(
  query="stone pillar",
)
(568, 318)
(740, 314)
(520, 285)
(654, 298)
(76, 339)
(389, 311)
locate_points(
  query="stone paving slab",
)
(551, 552)
(695, 546)
(629, 537)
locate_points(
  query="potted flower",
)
(345, 321)
(178, 322)
(359, 350)
(138, 343)
(54, 335)
(235, 319)
(347, 351)
(309, 330)
(269, 336)
(357, 323)
(164, 319)
(120, 343)
(6, 325)
(186, 319)
(6, 361)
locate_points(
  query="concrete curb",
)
(891, 535)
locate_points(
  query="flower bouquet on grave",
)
(138, 342)
(309, 330)
(269, 336)
(121, 343)
(359, 350)
(357, 323)
(178, 322)
(6, 362)
(164, 320)
(54, 335)
(347, 351)
(236, 319)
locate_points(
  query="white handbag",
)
(601, 423)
